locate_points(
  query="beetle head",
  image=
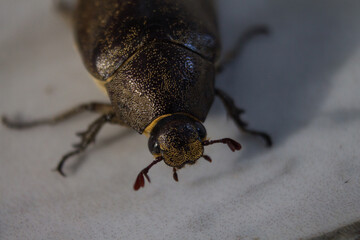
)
(178, 139)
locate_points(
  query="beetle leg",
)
(87, 137)
(95, 107)
(235, 112)
(243, 40)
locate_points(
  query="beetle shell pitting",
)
(180, 144)
(155, 82)
(109, 32)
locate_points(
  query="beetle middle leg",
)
(242, 41)
(235, 112)
(87, 137)
(95, 107)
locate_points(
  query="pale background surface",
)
(301, 84)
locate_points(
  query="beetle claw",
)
(14, 124)
(5, 120)
(10, 124)
(60, 171)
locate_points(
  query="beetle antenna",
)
(232, 144)
(140, 181)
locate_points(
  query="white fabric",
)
(301, 84)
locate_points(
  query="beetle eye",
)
(156, 148)
(200, 129)
(153, 145)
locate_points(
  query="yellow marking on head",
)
(157, 155)
(150, 127)
(101, 84)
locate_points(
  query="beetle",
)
(156, 60)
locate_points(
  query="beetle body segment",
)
(108, 32)
(153, 57)
(161, 79)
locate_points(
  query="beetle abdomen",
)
(162, 78)
(108, 32)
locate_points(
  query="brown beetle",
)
(156, 60)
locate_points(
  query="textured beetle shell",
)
(179, 142)
(163, 78)
(108, 32)
(159, 54)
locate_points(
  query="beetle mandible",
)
(156, 60)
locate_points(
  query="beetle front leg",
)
(87, 137)
(242, 41)
(235, 112)
(96, 107)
